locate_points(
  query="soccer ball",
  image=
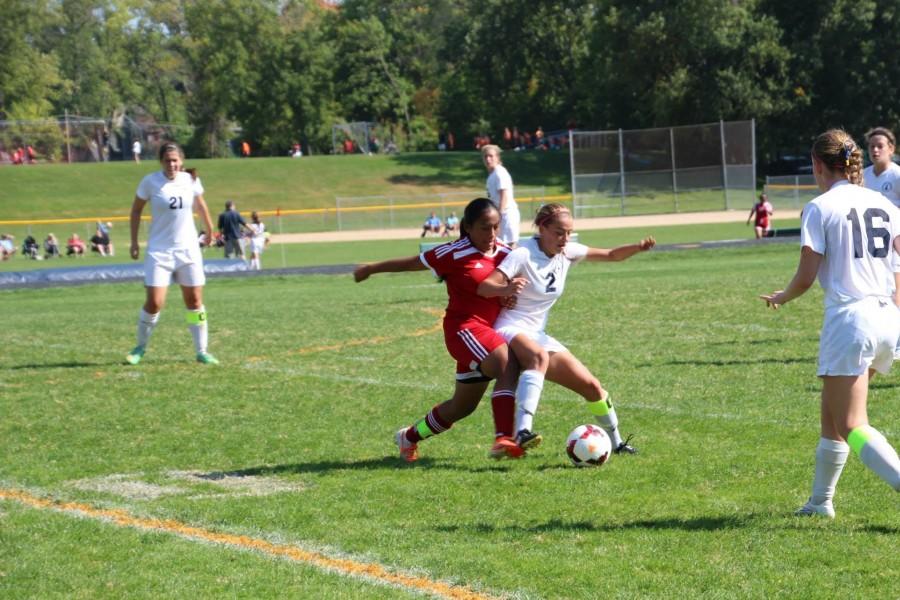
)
(588, 446)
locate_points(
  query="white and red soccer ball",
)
(588, 446)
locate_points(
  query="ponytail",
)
(839, 153)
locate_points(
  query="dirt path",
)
(729, 216)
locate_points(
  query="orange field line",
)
(377, 339)
(342, 566)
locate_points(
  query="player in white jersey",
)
(257, 240)
(500, 192)
(173, 251)
(849, 238)
(883, 175)
(544, 261)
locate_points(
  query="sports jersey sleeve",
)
(504, 180)
(575, 251)
(198, 188)
(144, 189)
(812, 230)
(439, 264)
(514, 262)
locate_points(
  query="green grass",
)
(721, 393)
(107, 189)
(329, 253)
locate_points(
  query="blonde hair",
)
(549, 213)
(838, 152)
(488, 147)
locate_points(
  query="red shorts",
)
(470, 343)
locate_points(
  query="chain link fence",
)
(711, 166)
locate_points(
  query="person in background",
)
(136, 150)
(762, 211)
(231, 224)
(7, 246)
(51, 246)
(432, 225)
(849, 239)
(500, 191)
(451, 225)
(883, 175)
(75, 246)
(257, 240)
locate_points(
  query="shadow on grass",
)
(369, 464)
(74, 364)
(728, 363)
(710, 523)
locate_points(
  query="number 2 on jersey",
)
(176, 200)
(872, 232)
(551, 279)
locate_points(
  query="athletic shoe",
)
(625, 447)
(207, 359)
(506, 447)
(408, 450)
(528, 440)
(811, 510)
(135, 356)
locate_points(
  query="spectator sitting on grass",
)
(432, 225)
(100, 243)
(451, 225)
(51, 246)
(30, 247)
(75, 245)
(7, 246)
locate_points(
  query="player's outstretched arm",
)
(134, 221)
(803, 279)
(395, 265)
(620, 252)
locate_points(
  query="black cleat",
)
(625, 447)
(528, 440)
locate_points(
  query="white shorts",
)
(547, 342)
(184, 265)
(509, 226)
(859, 336)
(257, 245)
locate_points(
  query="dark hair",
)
(192, 172)
(881, 131)
(838, 152)
(167, 147)
(474, 211)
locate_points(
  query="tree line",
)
(287, 70)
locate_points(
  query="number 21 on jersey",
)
(175, 202)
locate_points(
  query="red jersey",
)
(763, 210)
(463, 267)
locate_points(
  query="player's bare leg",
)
(569, 372)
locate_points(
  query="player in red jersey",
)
(480, 353)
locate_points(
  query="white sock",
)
(196, 320)
(146, 323)
(831, 455)
(528, 395)
(605, 414)
(876, 453)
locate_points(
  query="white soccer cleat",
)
(811, 510)
(408, 451)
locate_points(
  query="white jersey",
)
(546, 281)
(888, 183)
(500, 179)
(198, 187)
(853, 228)
(172, 208)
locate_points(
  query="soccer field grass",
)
(288, 443)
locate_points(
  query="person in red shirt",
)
(762, 210)
(480, 353)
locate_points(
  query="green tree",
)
(29, 73)
(659, 63)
